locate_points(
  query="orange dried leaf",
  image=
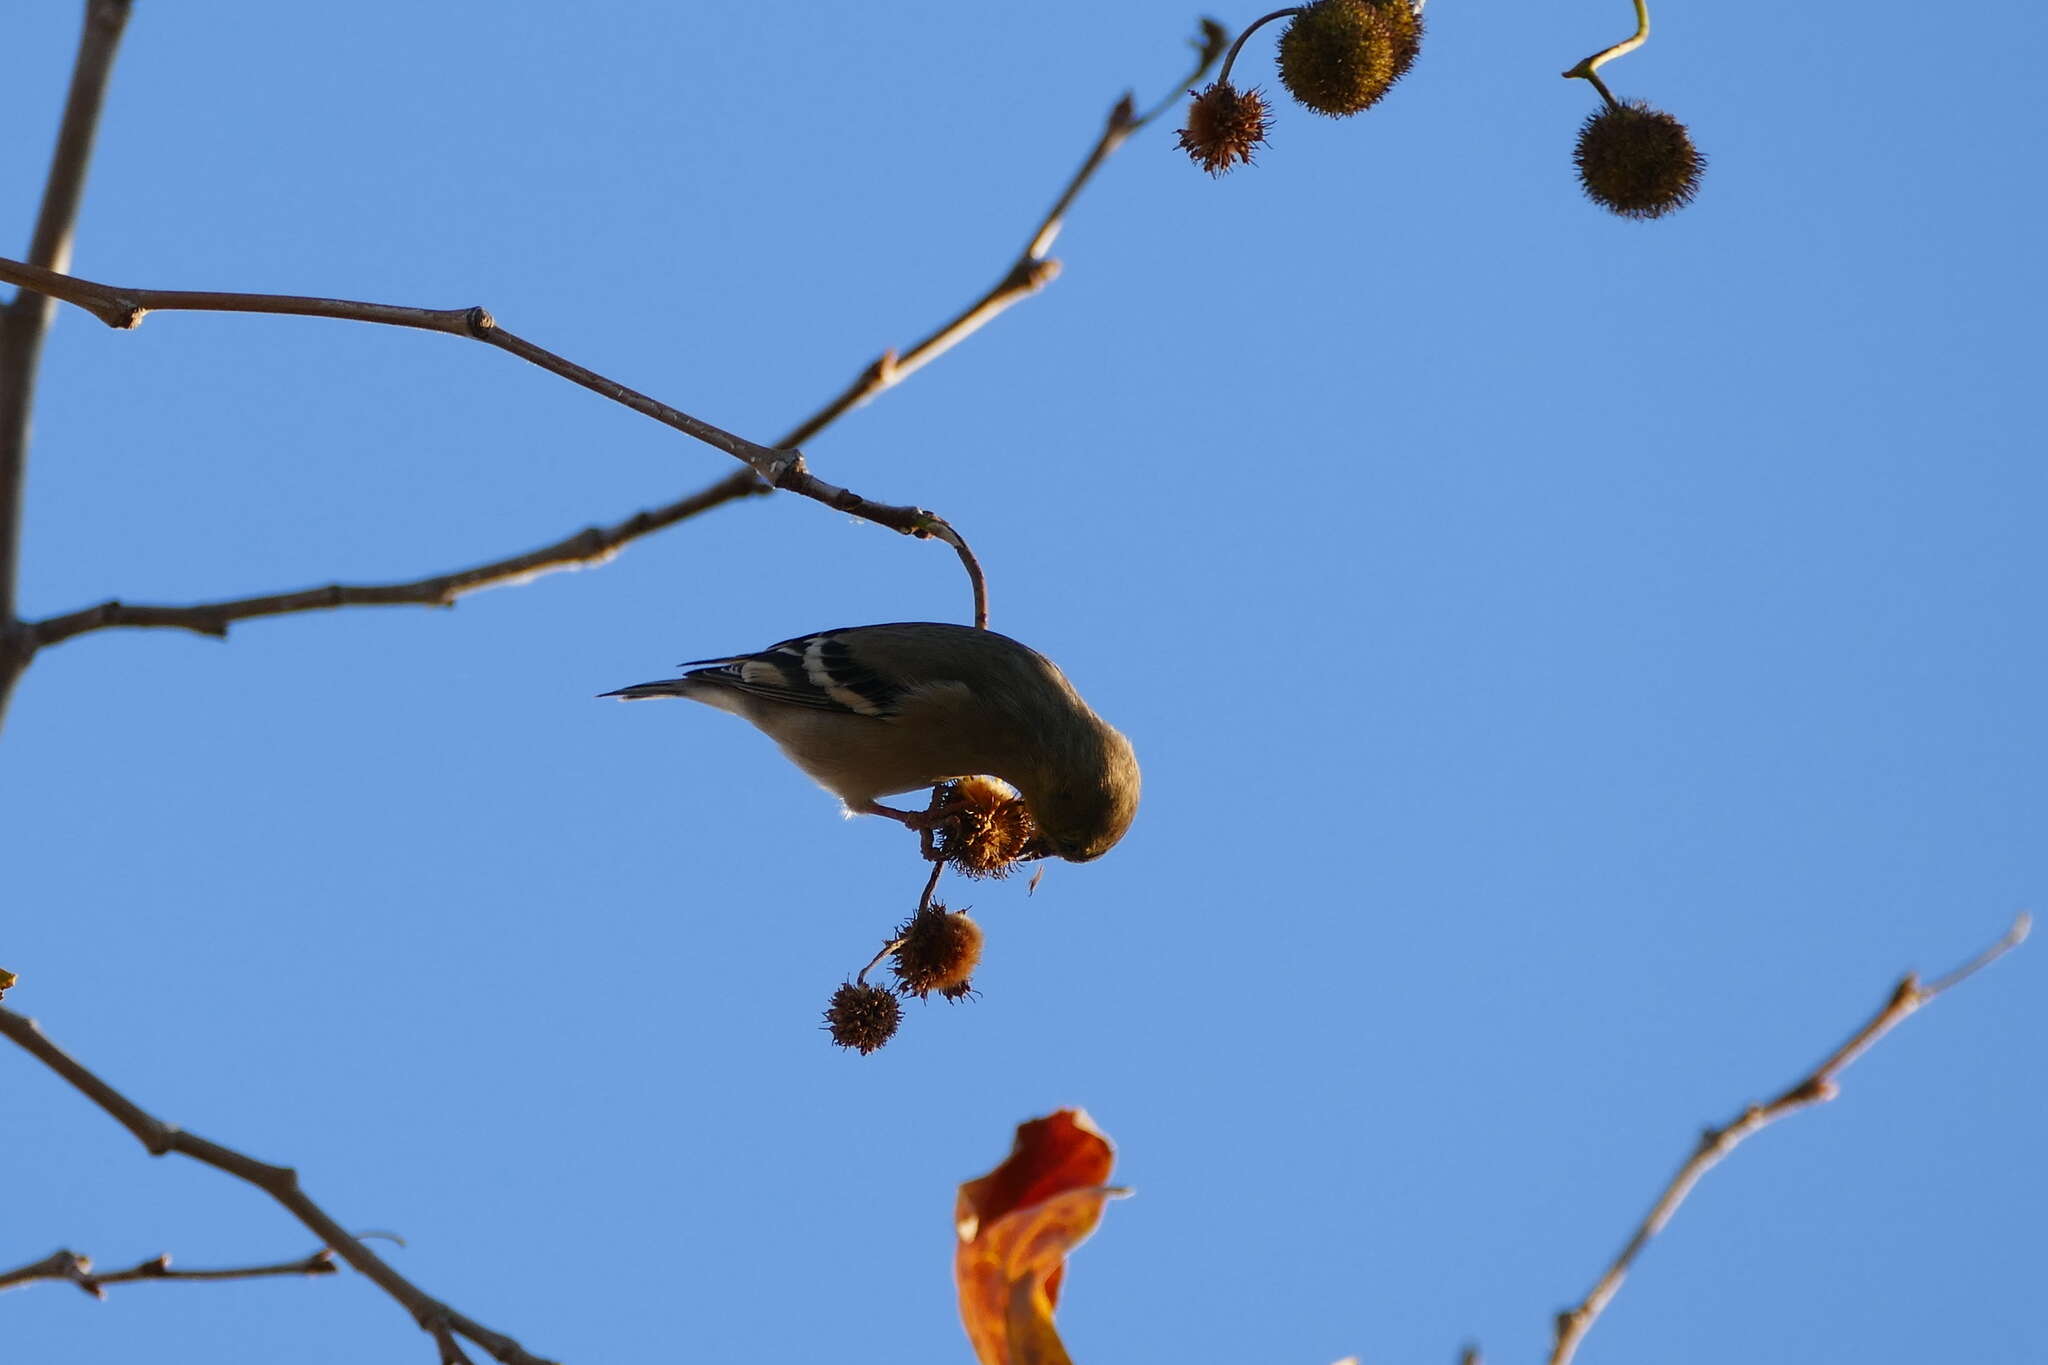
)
(1015, 1227)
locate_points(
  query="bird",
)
(872, 711)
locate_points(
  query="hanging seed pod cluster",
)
(981, 828)
(1341, 57)
(1336, 57)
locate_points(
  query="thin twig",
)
(1817, 1087)
(69, 1265)
(1031, 271)
(594, 545)
(26, 318)
(124, 307)
(279, 1182)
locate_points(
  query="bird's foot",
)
(909, 819)
(927, 822)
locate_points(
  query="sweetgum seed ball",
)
(1637, 161)
(1340, 57)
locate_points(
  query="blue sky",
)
(1577, 666)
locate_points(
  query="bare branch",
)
(125, 307)
(58, 1265)
(1030, 272)
(279, 1182)
(1817, 1087)
(26, 318)
(593, 545)
(69, 1265)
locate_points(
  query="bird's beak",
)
(670, 687)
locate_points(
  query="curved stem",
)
(861, 977)
(1585, 69)
(942, 530)
(924, 903)
(1223, 76)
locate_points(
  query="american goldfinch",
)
(876, 710)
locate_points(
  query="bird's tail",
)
(668, 687)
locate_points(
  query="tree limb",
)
(280, 1183)
(26, 318)
(1817, 1087)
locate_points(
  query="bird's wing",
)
(819, 671)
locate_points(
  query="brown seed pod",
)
(986, 827)
(1637, 161)
(939, 952)
(863, 1017)
(1340, 57)
(1224, 124)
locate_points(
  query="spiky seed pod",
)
(1637, 161)
(939, 952)
(1224, 124)
(1340, 57)
(953, 995)
(863, 1017)
(986, 829)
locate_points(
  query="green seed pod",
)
(1224, 124)
(1340, 57)
(1637, 161)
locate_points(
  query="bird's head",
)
(1088, 801)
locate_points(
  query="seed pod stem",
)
(1585, 70)
(1254, 26)
(923, 903)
